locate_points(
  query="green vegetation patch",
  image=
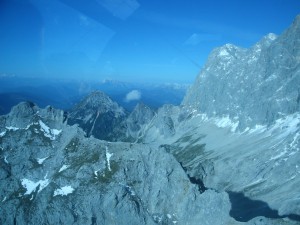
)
(72, 146)
(106, 175)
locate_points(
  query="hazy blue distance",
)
(129, 40)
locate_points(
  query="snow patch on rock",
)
(41, 160)
(31, 186)
(50, 133)
(226, 122)
(64, 167)
(223, 52)
(108, 156)
(12, 128)
(2, 133)
(63, 191)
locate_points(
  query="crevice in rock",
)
(65, 116)
(243, 209)
(94, 220)
(194, 180)
(199, 183)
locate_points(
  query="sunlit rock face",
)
(252, 86)
(238, 128)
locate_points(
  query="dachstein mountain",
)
(251, 86)
(229, 154)
(238, 128)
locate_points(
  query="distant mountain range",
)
(64, 94)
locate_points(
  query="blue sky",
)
(129, 40)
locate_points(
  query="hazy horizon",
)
(129, 40)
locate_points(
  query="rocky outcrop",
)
(261, 164)
(138, 120)
(51, 176)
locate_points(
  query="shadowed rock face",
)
(244, 209)
(138, 120)
(99, 116)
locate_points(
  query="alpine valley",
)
(229, 154)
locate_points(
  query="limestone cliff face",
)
(252, 86)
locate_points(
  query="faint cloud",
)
(196, 39)
(7, 75)
(120, 8)
(84, 21)
(133, 95)
(84, 88)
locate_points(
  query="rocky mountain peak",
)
(97, 99)
(290, 39)
(26, 113)
(229, 48)
(97, 102)
(265, 41)
(138, 119)
(98, 115)
(24, 109)
(296, 22)
(256, 85)
(227, 52)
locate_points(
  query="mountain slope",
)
(238, 128)
(251, 86)
(53, 174)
